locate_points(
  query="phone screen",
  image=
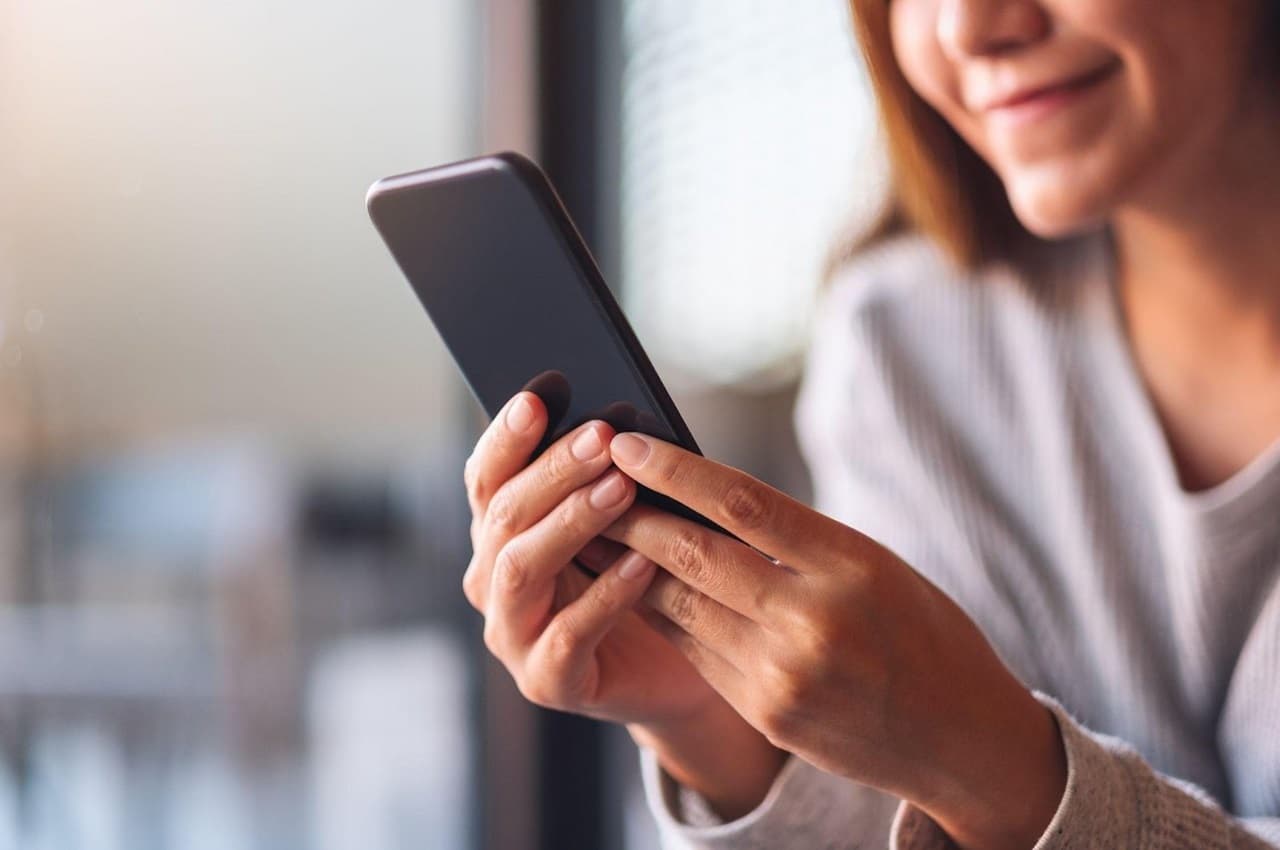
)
(516, 297)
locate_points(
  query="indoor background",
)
(232, 525)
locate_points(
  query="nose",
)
(969, 28)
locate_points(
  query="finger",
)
(572, 461)
(599, 553)
(727, 570)
(504, 448)
(475, 584)
(566, 648)
(766, 518)
(575, 459)
(722, 675)
(522, 589)
(713, 625)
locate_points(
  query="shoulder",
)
(902, 308)
(906, 283)
(893, 269)
(919, 357)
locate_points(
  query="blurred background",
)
(232, 525)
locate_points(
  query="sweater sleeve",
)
(1114, 799)
(805, 807)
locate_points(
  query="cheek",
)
(1083, 173)
(1168, 118)
(1057, 177)
(1166, 111)
(915, 46)
(927, 69)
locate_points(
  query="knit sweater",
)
(995, 433)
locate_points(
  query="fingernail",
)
(608, 492)
(629, 449)
(634, 566)
(586, 445)
(520, 415)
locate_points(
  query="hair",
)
(938, 185)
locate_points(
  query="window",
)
(747, 145)
(229, 519)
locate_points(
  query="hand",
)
(839, 652)
(575, 644)
(571, 643)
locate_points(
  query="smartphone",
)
(509, 283)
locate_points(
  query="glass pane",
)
(747, 145)
(229, 439)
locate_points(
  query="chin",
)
(1057, 210)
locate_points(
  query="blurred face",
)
(1082, 106)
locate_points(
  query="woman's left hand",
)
(839, 652)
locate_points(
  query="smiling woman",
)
(1108, 104)
(1037, 601)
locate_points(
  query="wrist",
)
(1006, 795)
(717, 754)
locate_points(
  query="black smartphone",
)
(513, 290)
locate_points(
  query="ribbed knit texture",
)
(996, 434)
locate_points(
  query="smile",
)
(1034, 104)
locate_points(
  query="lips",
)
(1026, 94)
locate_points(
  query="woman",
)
(1039, 603)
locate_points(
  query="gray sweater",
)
(996, 434)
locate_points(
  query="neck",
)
(1199, 259)
(1198, 266)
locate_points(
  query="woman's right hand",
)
(576, 644)
(571, 643)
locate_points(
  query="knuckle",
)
(503, 514)
(791, 680)
(511, 569)
(529, 683)
(773, 724)
(471, 586)
(682, 605)
(476, 483)
(746, 505)
(560, 645)
(481, 490)
(545, 680)
(559, 463)
(779, 731)
(674, 469)
(689, 554)
(538, 691)
(785, 697)
(864, 581)
(763, 599)
(814, 638)
(493, 636)
(469, 472)
(570, 514)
